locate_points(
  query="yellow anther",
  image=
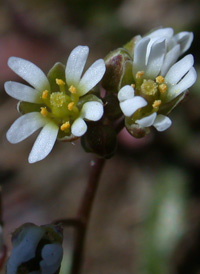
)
(60, 82)
(70, 106)
(44, 111)
(65, 126)
(139, 74)
(45, 94)
(162, 88)
(156, 103)
(133, 85)
(72, 89)
(160, 79)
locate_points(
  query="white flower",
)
(157, 79)
(182, 40)
(63, 110)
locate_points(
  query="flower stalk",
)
(84, 213)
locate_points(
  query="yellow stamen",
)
(162, 88)
(45, 94)
(65, 126)
(160, 79)
(70, 106)
(60, 82)
(156, 103)
(133, 85)
(72, 89)
(44, 111)
(139, 74)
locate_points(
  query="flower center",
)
(61, 106)
(149, 87)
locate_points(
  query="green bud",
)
(100, 139)
(131, 44)
(115, 69)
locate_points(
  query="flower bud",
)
(36, 249)
(100, 139)
(116, 63)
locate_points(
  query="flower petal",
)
(170, 58)
(22, 92)
(162, 122)
(75, 65)
(147, 121)
(79, 127)
(139, 59)
(156, 57)
(91, 77)
(187, 81)
(178, 70)
(29, 72)
(129, 106)
(184, 39)
(24, 126)
(44, 143)
(92, 111)
(125, 93)
(162, 32)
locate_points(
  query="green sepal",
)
(88, 98)
(26, 107)
(115, 68)
(166, 108)
(136, 130)
(57, 71)
(100, 140)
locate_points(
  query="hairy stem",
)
(84, 214)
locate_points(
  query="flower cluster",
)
(159, 81)
(143, 81)
(36, 249)
(59, 103)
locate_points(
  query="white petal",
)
(44, 143)
(29, 72)
(178, 70)
(183, 85)
(24, 126)
(129, 106)
(125, 93)
(147, 121)
(170, 58)
(156, 58)
(22, 92)
(75, 65)
(139, 59)
(92, 111)
(162, 122)
(163, 32)
(91, 77)
(79, 127)
(184, 39)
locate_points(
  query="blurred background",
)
(146, 216)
